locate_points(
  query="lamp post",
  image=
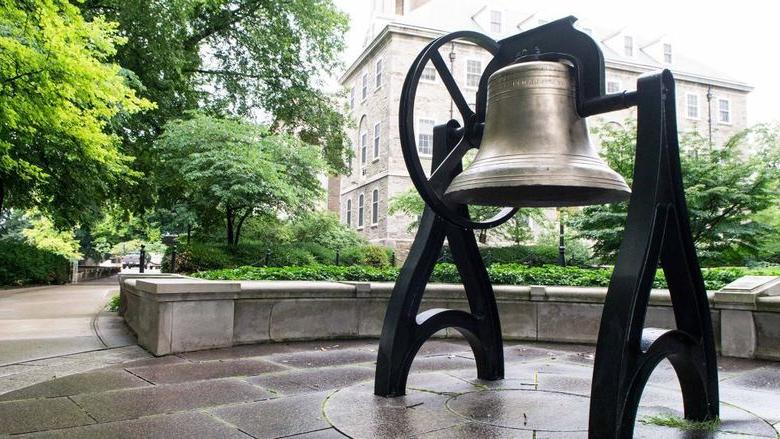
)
(533, 150)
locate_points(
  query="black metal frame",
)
(657, 229)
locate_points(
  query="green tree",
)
(232, 169)
(58, 96)
(725, 188)
(42, 234)
(246, 58)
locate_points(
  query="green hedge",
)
(206, 256)
(23, 264)
(523, 254)
(500, 274)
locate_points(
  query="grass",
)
(113, 303)
(681, 423)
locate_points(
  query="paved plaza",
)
(324, 390)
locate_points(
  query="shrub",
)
(500, 274)
(23, 264)
(371, 255)
(536, 255)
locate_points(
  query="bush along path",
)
(500, 274)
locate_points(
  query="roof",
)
(475, 15)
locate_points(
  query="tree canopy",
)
(230, 169)
(725, 187)
(255, 58)
(59, 93)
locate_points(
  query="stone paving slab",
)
(325, 358)
(312, 380)
(178, 373)
(40, 414)
(100, 380)
(277, 417)
(192, 425)
(153, 400)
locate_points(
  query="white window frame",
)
(688, 106)
(469, 74)
(377, 139)
(348, 213)
(668, 55)
(628, 45)
(618, 85)
(420, 132)
(435, 74)
(375, 207)
(364, 89)
(361, 210)
(728, 111)
(379, 67)
(496, 24)
(363, 149)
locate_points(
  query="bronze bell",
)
(535, 150)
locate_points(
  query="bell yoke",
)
(534, 151)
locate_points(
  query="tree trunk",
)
(189, 233)
(240, 224)
(230, 217)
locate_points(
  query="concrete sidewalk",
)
(325, 390)
(40, 325)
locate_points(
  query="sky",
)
(740, 39)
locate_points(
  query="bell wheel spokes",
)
(451, 85)
(432, 188)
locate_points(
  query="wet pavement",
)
(324, 390)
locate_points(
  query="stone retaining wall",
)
(178, 314)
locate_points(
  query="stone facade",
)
(374, 82)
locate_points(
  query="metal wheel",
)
(432, 188)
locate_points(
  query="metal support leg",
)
(405, 331)
(657, 229)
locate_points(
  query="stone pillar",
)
(737, 302)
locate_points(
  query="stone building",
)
(707, 100)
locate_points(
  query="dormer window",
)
(668, 53)
(628, 45)
(495, 22)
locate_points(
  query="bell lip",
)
(530, 195)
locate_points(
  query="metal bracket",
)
(404, 330)
(657, 228)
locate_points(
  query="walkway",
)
(50, 326)
(324, 390)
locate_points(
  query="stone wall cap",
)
(744, 292)
(186, 286)
(294, 288)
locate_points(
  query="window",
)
(378, 75)
(361, 206)
(724, 111)
(425, 136)
(628, 45)
(365, 86)
(692, 106)
(375, 206)
(668, 53)
(495, 22)
(428, 74)
(473, 73)
(363, 148)
(377, 138)
(613, 86)
(349, 213)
